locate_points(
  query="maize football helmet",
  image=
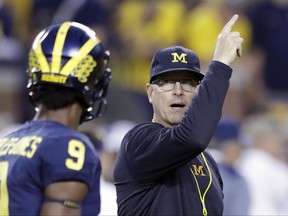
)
(70, 54)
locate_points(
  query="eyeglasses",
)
(168, 85)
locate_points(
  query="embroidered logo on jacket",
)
(198, 170)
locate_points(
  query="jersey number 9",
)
(76, 149)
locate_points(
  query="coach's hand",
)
(229, 44)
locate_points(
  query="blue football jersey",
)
(38, 154)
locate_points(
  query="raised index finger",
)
(228, 27)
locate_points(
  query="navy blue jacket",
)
(161, 171)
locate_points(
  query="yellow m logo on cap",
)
(177, 57)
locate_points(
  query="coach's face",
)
(170, 95)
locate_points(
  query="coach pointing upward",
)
(162, 166)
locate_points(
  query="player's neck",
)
(69, 116)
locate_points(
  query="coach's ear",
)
(149, 91)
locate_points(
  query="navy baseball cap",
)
(176, 58)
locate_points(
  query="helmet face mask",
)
(70, 54)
